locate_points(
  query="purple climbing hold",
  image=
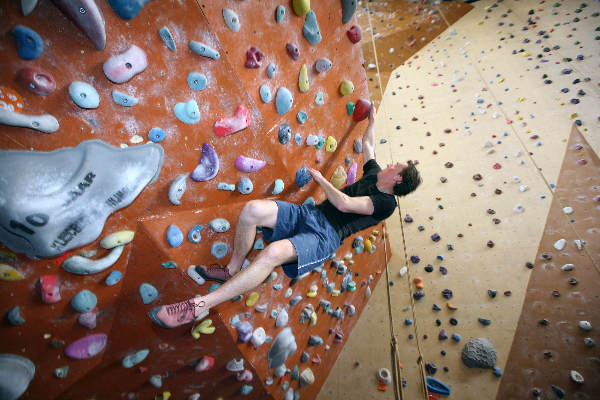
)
(244, 330)
(418, 295)
(447, 293)
(86, 347)
(303, 176)
(408, 218)
(435, 237)
(323, 65)
(254, 58)
(209, 164)
(247, 164)
(414, 259)
(443, 270)
(443, 335)
(293, 50)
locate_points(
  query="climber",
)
(301, 237)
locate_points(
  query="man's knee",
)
(280, 252)
(251, 211)
(259, 212)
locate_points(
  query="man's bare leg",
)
(255, 212)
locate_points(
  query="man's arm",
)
(340, 200)
(369, 138)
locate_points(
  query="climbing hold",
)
(132, 360)
(436, 386)
(310, 30)
(245, 185)
(86, 347)
(148, 293)
(113, 278)
(29, 44)
(282, 319)
(349, 108)
(346, 87)
(285, 133)
(331, 144)
(167, 38)
(259, 244)
(241, 120)
(246, 164)
(234, 365)
(156, 381)
(174, 236)
(315, 340)
(246, 389)
(497, 371)
(307, 378)
(127, 9)
(123, 100)
(323, 65)
(14, 316)
(205, 327)
(231, 19)
(244, 376)
(61, 372)
(361, 110)
(187, 113)
(208, 166)
(312, 140)
(84, 95)
(252, 299)
(354, 34)
(265, 94)
(357, 146)
(301, 7)
(278, 186)
(319, 99)
(203, 50)
(576, 377)
(196, 277)
(283, 346)
(86, 15)
(226, 186)
(384, 376)
(348, 9)
(298, 139)
(301, 117)
(156, 135)
(292, 50)
(244, 330)
(279, 14)
(254, 58)
(338, 178)
(119, 238)
(27, 7)
(36, 80)
(295, 300)
(352, 174)
(479, 353)
(84, 301)
(585, 325)
(219, 249)
(303, 83)
(303, 176)
(122, 67)
(196, 81)
(560, 244)
(84, 266)
(204, 364)
(219, 225)
(9, 273)
(177, 189)
(283, 100)
(271, 70)
(15, 374)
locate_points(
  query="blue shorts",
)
(310, 232)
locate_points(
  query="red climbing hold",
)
(254, 57)
(205, 363)
(50, 289)
(361, 110)
(227, 126)
(354, 34)
(497, 166)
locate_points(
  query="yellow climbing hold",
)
(313, 319)
(331, 144)
(163, 396)
(303, 79)
(526, 54)
(573, 116)
(8, 273)
(117, 239)
(346, 87)
(375, 232)
(312, 292)
(203, 327)
(339, 177)
(520, 99)
(501, 80)
(368, 245)
(335, 292)
(252, 299)
(301, 7)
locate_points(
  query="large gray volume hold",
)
(51, 202)
(479, 353)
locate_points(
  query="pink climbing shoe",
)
(174, 315)
(227, 126)
(217, 274)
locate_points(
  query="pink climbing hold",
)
(49, 285)
(205, 363)
(254, 57)
(244, 376)
(227, 126)
(352, 174)
(497, 166)
(86, 347)
(361, 110)
(36, 80)
(247, 164)
(354, 34)
(122, 67)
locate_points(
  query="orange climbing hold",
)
(419, 283)
(227, 126)
(451, 306)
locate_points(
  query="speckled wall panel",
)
(548, 342)
(70, 56)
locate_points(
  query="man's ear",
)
(398, 179)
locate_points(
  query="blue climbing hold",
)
(196, 81)
(214, 287)
(29, 44)
(302, 117)
(187, 112)
(174, 236)
(194, 234)
(156, 135)
(219, 249)
(310, 201)
(497, 372)
(113, 278)
(14, 316)
(246, 389)
(408, 322)
(203, 50)
(127, 9)
(148, 293)
(245, 185)
(226, 186)
(259, 244)
(84, 95)
(303, 176)
(319, 99)
(265, 94)
(436, 386)
(283, 100)
(456, 337)
(123, 100)
(310, 30)
(84, 301)
(278, 186)
(298, 139)
(166, 37)
(279, 14)
(271, 69)
(436, 307)
(285, 133)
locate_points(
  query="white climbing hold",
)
(567, 267)
(579, 244)
(585, 325)
(368, 292)
(568, 210)
(282, 319)
(560, 244)
(235, 365)
(258, 337)
(84, 266)
(196, 277)
(576, 376)
(403, 271)
(43, 123)
(523, 188)
(384, 376)
(519, 208)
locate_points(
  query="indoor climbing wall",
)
(168, 118)
(501, 240)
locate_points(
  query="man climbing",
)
(301, 237)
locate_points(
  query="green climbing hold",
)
(310, 30)
(350, 108)
(169, 265)
(135, 358)
(319, 99)
(279, 14)
(61, 372)
(259, 244)
(321, 143)
(301, 7)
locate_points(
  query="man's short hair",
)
(411, 179)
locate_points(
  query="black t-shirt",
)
(348, 223)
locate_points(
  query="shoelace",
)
(179, 307)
